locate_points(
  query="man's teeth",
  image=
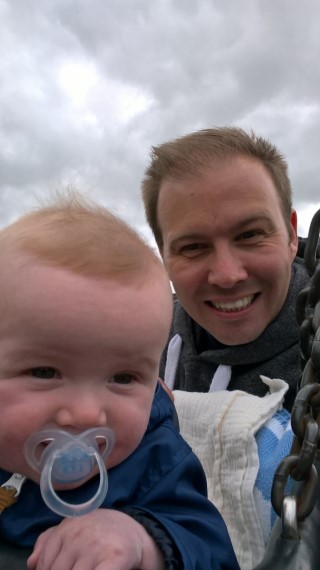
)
(236, 305)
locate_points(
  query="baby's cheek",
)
(125, 444)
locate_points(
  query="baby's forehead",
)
(56, 300)
(14, 262)
(148, 286)
(19, 267)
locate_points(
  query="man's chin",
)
(237, 337)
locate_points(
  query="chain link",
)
(299, 466)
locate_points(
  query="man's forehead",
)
(221, 176)
(201, 168)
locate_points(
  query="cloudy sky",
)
(88, 86)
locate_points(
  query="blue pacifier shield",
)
(72, 465)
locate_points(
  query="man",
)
(219, 203)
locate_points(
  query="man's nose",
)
(226, 268)
(82, 409)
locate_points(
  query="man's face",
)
(227, 248)
(77, 353)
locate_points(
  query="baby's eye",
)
(45, 372)
(123, 378)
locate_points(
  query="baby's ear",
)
(165, 387)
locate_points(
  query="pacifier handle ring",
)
(61, 507)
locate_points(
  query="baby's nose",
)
(82, 409)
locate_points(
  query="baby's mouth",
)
(232, 306)
(40, 448)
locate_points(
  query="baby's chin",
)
(64, 486)
(68, 486)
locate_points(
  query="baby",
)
(85, 314)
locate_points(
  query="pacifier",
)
(69, 459)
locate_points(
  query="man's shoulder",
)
(302, 242)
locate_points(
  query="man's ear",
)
(294, 221)
(293, 243)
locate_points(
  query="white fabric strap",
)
(173, 355)
(221, 430)
(221, 378)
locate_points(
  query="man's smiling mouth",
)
(232, 306)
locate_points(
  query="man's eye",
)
(252, 235)
(44, 372)
(192, 249)
(123, 378)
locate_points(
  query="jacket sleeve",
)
(167, 546)
(193, 522)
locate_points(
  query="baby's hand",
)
(102, 540)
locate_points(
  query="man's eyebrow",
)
(254, 219)
(186, 236)
(243, 223)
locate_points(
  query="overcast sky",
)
(88, 86)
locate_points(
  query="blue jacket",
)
(162, 479)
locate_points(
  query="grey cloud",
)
(197, 64)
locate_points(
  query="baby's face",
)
(76, 353)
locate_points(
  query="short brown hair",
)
(74, 233)
(190, 154)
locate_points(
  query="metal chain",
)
(294, 505)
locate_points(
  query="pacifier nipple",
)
(69, 459)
